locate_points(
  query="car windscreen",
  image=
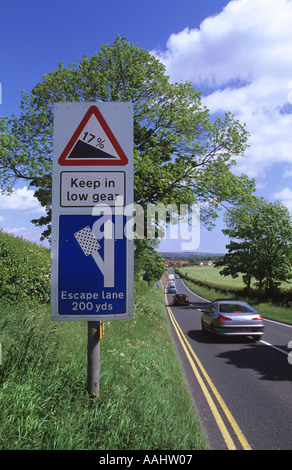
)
(235, 308)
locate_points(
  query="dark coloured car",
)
(234, 318)
(181, 299)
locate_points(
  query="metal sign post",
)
(92, 257)
(93, 358)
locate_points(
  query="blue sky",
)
(238, 52)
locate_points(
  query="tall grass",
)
(24, 270)
(144, 402)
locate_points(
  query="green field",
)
(211, 274)
(228, 288)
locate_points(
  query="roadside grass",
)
(211, 275)
(144, 403)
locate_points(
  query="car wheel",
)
(256, 337)
(213, 334)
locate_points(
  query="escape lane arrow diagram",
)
(93, 143)
(90, 246)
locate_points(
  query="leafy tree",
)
(260, 247)
(180, 155)
(148, 263)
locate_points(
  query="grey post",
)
(93, 358)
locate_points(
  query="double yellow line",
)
(200, 372)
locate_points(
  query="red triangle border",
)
(64, 161)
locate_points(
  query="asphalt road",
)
(242, 390)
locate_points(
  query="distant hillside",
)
(189, 254)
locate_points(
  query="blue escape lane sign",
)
(92, 271)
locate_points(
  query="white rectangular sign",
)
(88, 188)
(92, 257)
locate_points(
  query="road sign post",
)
(92, 257)
(93, 358)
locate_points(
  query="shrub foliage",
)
(24, 270)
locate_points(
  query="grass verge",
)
(144, 402)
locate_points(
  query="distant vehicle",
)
(171, 276)
(171, 289)
(181, 299)
(177, 276)
(234, 318)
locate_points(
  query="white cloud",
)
(285, 196)
(243, 57)
(21, 199)
(18, 209)
(248, 39)
(19, 231)
(288, 172)
(286, 193)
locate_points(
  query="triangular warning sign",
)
(93, 143)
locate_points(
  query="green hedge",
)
(280, 297)
(24, 270)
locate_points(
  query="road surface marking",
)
(274, 347)
(188, 349)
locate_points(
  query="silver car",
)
(171, 289)
(230, 317)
